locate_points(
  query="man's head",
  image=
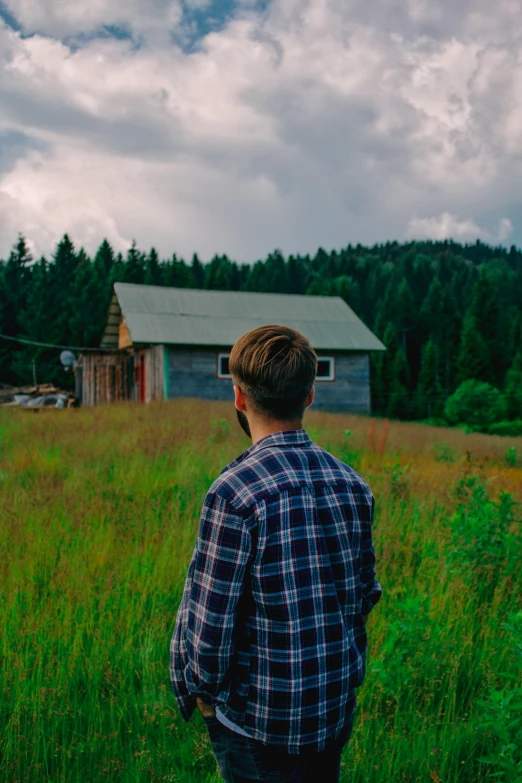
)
(273, 369)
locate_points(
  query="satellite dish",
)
(68, 359)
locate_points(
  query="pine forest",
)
(446, 312)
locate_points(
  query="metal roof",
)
(187, 316)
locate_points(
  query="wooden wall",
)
(193, 373)
(154, 373)
(124, 338)
(109, 377)
(105, 377)
(350, 392)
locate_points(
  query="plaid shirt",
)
(270, 625)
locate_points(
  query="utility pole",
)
(34, 372)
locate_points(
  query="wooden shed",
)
(163, 343)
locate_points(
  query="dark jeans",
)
(241, 759)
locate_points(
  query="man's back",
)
(271, 622)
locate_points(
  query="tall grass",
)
(98, 519)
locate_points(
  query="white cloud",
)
(445, 226)
(318, 122)
(41, 195)
(448, 226)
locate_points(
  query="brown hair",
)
(275, 367)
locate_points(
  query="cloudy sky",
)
(240, 126)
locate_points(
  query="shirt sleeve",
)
(203, 643)
(178, 650)
(371, 589)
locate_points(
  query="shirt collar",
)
(280, 439)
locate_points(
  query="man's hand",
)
(206, 710)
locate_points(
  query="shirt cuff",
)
(369, 601)
(185, 701)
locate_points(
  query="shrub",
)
(486, 537)
(475, 404)
(511, 457)
(510, 428)
(502, 715)
(514, 388)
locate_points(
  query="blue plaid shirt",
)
(270, 627)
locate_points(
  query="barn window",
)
(325, 368)
(222, 366)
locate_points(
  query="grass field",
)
(98, 519)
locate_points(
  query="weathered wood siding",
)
(350, 392)
(110, 335)
(124, 338)
(105, 377)
(154, 373)
(193, 373)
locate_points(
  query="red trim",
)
(141, 377)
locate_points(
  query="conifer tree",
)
(474, 360)
(400, 405)
(104, 260)
(134, 269)
(384, 366)
(276, 273)
(84, 330)
(176, 274)
(297, 275)
(152, 268)
(217, 274)
(60, 275)
(257, 280)
(14, 278)
(198, 271)
(32, 322)
(348, 289)
(513, 393)
(485, 311)
(429, 390)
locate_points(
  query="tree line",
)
(446, 312)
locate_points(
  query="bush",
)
(484, 540)
(475, 404)
(511, 457)
(502, 715)
(510, 428)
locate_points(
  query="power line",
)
(50, 345)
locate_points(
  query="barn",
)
(162, 343)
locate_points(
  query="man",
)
(270, 638)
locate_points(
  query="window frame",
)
(331, 377)
(227, 377)
(221, 376)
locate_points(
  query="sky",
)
(242, 126)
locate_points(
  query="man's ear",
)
(239, 399)
(310, 398)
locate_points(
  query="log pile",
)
(45, 395)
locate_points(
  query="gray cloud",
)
(60, 19)
(316, 122)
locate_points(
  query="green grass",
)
(98, 519)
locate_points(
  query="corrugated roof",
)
(185, 316)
